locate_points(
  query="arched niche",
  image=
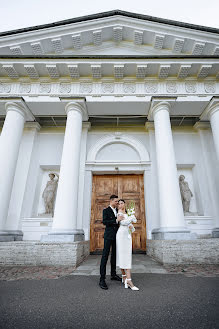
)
(118, 148)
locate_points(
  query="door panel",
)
(127, 187)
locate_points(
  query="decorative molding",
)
(138, 37)
(119, 71)
(164, 71)
(117, 33)
(16, 50)
(198, 48)
(171, 87)
(112, 139)
(25, 88)
(210, 87)
(31, 71)
(45, 88)
(141, 71)
(12, 73)
(151, 87)
(184, 71)
(129, 88)
(86, 87)
(158, 41)
(178, 45)
(76, 41)
(37, 48)
(5, 88)
(74, 71)
(65, 87)
(204, 71)
(53, 71)
(190, 87)
(97, 37)
(57, 45)
(107, 88)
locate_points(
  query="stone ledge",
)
(43, 253)
(199, 251)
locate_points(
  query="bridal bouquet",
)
(131, 216)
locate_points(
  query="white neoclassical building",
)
(111, 103)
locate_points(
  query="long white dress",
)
(124, 244)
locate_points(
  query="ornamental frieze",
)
(190, 87)
(5, 88)
(107, 88)
(25, 88)
(129, 88)
(171, 87)
(210, 87)
(86, 87)
(65, 88)
(45, 88)
(151, 87)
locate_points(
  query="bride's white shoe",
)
(128, 286)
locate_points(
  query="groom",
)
(109, 219)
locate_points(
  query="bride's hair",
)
(124, 202)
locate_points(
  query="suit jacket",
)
(109, 219)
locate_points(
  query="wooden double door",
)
(127, 187)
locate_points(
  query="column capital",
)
(149, 125)
(12, 106)
(202, 125)
(77, 106)
(159, 104)
(212, 108)
(32, 125)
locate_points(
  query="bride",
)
(124, 245)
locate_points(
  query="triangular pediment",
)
(112, 33)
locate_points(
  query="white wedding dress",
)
(124, 244)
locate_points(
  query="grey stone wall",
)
(43, 253)
(200, 251)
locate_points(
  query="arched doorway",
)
(123, 158)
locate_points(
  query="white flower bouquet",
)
(131, 216)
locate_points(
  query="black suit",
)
(109, 219)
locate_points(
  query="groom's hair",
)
(113, 196)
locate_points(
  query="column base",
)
(11, 235)
(215, 232)
(63, 236)
(175, 233)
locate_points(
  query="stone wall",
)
(43, 253)
(200, 251)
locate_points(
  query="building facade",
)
(112, 103)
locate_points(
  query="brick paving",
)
(141, 264)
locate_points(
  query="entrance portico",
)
(123, 95)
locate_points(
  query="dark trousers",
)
(105, 255)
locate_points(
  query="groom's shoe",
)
(103, 284)
(116, 278)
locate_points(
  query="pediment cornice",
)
(80, 36)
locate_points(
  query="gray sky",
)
(15, 14)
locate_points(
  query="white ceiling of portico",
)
(112, 35)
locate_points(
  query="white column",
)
(172, 223)
(64, 227)
(9, 148)
(214, 119)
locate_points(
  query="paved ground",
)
(141, 264)
(165, 301)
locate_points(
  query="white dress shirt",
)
(114, 210)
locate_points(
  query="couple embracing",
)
(118, 236)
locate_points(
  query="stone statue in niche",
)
(186, 195)
(49, 194)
